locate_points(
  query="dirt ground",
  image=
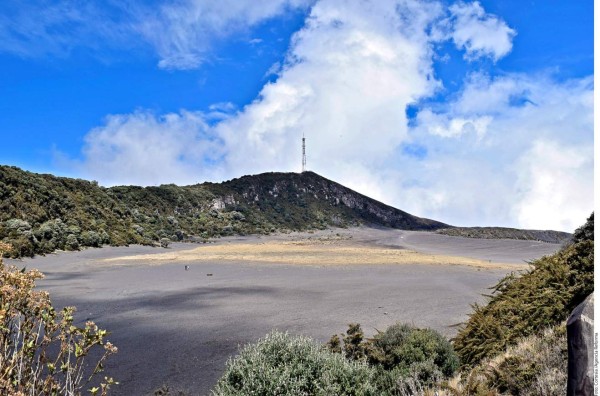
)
(178, 327)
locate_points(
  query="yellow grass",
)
(312, 253)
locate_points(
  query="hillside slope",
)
(507, 233)
(40, 213)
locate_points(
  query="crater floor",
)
(178, 327)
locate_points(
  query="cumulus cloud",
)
(346, 82)
(446, 126)
(555, 185)
(142, 148)
(349, 75)
(501, 176)
(479, 33)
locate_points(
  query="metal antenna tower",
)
(303, 153)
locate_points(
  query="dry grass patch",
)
(309, 252)
(537, 365)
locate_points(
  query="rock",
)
(580, 338)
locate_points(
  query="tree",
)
(41, 351)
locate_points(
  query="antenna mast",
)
(303, 153)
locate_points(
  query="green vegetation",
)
(536, 365)
(42, 352)
(507, 233)
(404, 357)
(516, 344)
(585, 232)
(281, 364)
(522, 305)
(402, 346)
(42, 213)
(400, 361)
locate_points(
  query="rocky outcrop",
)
(338, 203)
(580, 336)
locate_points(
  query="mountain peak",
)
(41, 213)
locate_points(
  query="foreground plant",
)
(282, 364)
(536, 365)
(406, 359)
(41, 351)
(522, 305)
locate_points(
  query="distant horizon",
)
(474, 112)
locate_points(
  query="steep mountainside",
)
(41, 213)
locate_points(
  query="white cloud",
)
(501, 177)
(555, 185)
(350, 74)
(142, 148)
(184, 33)
(479, 33)
(445, 126)
(348, 77)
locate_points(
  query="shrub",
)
(402, 346)
(17, 226)
(418, 380)
(281, 364)
(21, 246)
(238, 216)
(536, 365)
(91, 238)
(41, 351)
(585, 232)
(522, 305)
(52, 230)
(72, 243)
(423, 354)
(164, 242)
(354, 346)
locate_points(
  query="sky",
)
(474, 113)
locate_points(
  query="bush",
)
(522, 305)
(17, 226)
(53, 230)
(164, 242)
(91, 238)
(402, 346)
(536, 365)
(355, 347)
(585, 232)
(41, 351)
(72, 243)
(281, 364)
(21, 247)
(422, 354)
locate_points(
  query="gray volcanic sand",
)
(178, 327)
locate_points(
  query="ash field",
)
(178, 327)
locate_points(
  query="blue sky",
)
(472, 113)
